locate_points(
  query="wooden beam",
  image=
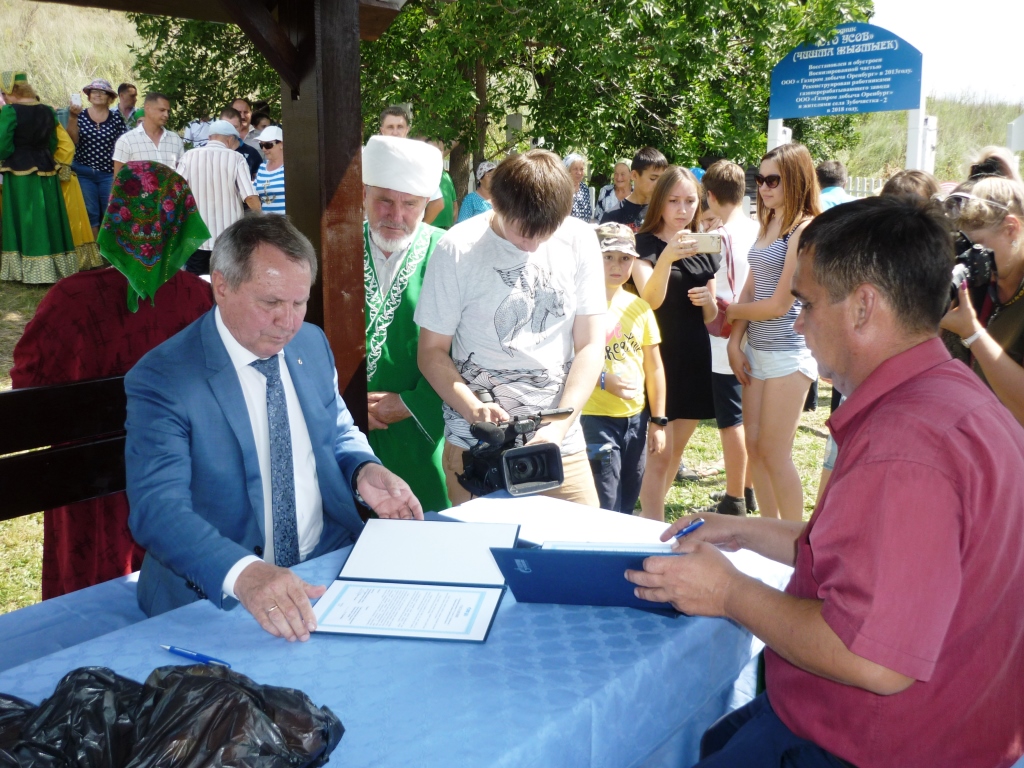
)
(374, 15)
(323, 177)
(268, 37)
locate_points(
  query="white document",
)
(659, 548)
(420, 611)
(429, 551)
(544, 519)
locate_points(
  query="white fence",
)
(862, 186)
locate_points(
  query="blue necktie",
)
(282, 475)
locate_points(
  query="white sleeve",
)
(590, 291)
(437, 195)
(243, 180)
(236, 570)
(439, 308)
(121, 153)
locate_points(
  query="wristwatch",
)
(661, 421)
(972, 338)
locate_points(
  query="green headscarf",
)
(150, 228)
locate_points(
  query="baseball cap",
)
(614, 236)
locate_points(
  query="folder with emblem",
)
(579, 576)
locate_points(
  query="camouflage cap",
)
(614, 236)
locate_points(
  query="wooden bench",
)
(59, 445)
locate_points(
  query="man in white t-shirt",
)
(511, 317)
(725, 183)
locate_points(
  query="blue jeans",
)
(95, 190)
(616, 449)
(754, 737)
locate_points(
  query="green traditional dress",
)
(410, 448)
(37, 243)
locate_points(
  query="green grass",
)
(704, 452)
(63, 48)
(965, 124)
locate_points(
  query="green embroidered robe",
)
(410, 448)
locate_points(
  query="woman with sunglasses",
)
(776, 368)
(990, 211)
(270, 176)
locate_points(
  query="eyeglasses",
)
(768, 181)
(958, 205)
(265, 145)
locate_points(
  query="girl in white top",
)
(776, 368)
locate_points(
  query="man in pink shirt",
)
(900, 638)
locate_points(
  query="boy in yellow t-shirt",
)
(615, 422)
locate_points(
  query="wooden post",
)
(323, 177)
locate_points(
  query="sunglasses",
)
(265, 145)
(768, 181)
(957, 204)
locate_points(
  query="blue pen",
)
(200, 657)
(691, 527)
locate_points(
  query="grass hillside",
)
(965, 124)
(63, 48)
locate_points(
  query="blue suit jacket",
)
(194, 481)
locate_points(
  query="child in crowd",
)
(615, 422)
(648, 164)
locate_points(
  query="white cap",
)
(404, 165)
(222, 128)
(272, 133)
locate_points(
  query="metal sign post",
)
(1015, 135)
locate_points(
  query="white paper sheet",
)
(428, 551)
(418, 611)
(546, 519)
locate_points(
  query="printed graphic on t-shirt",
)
(533, 298)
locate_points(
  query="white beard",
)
(397, 244)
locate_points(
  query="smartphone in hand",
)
(76, 99)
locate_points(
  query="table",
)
(553, 685)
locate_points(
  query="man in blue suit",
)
(241, 457)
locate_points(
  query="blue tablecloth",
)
(553, 685)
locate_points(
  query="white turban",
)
(404, 165)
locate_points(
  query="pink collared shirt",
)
(917, 550)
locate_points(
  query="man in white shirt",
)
(511, 318)
(150, 140)
(220, 182)
(197, 133)
(241, 457)
(246, 133)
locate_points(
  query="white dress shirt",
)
(136, 145)
(386, 267)
(308, 502)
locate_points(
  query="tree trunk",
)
(481, 111)
(459, 169)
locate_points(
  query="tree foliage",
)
(201, 66)
(604, 77)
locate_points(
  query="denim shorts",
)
(765, 364)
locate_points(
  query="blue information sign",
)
(863, 68)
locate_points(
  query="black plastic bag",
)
(187, 717)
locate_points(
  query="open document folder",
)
(418, 579)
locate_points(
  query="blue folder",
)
(575, 577)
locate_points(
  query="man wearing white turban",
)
(405, 414)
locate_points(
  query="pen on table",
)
(691, 527)
(200, 657)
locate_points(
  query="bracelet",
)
(602, 379)
(972, 338)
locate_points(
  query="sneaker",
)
(748, 497)
(728, 505)
(686, 475)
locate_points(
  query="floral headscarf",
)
(150, 228)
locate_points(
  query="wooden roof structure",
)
(314, 46)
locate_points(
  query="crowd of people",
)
(673, 307)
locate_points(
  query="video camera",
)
(503, 461)
(975, 265)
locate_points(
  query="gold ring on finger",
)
(272, 608)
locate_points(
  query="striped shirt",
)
(270, 187)
(772, 335)
(219, 178)
(136, 145)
